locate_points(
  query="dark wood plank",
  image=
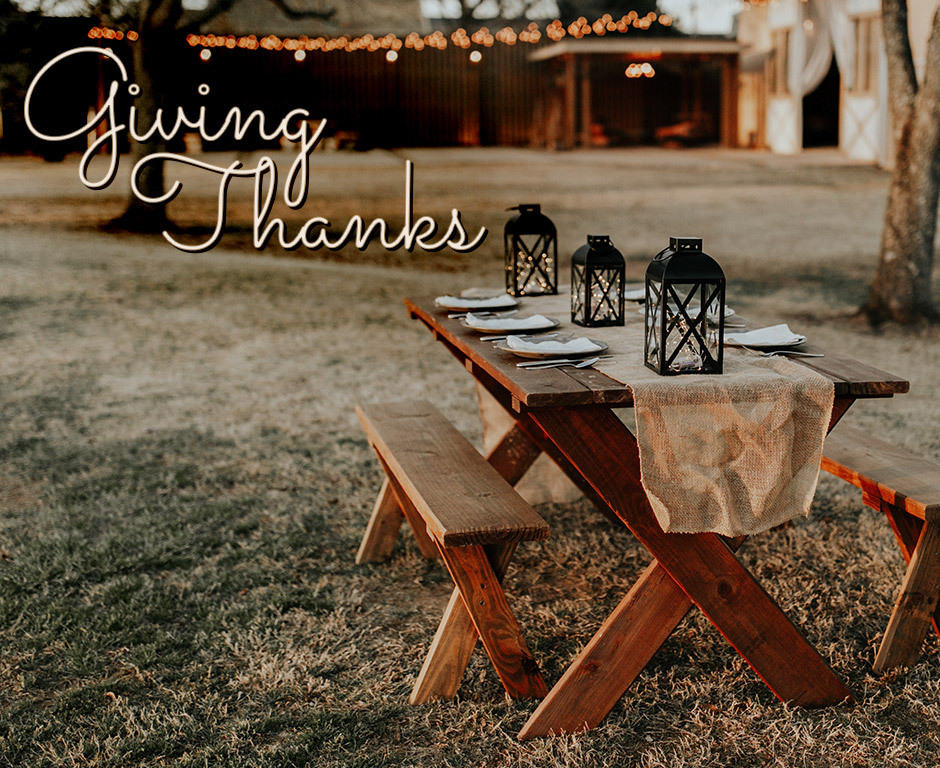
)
(495, 624)
(853, 377)
(532, 388)
(454, 641)
(605, 452)
(461, 497)
(916, 604)
(567, 387)
(884, 471)
(382, 529)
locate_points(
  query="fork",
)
(482, 313)
(782, 352)
(541, 366)
(790, 353)
(523, 336)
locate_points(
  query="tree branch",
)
(213, 9)
(902, 80)
(293, 13)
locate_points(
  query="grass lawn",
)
(183, 485)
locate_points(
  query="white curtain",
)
(825, 27)
(842, 35)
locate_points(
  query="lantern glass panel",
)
(606, 296)
(531, 253)
(577, 291)
(597, 280)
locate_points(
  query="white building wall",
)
(785, 112)
(864, 119)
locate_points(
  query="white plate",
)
(546, 355)
(456, 304)
(794, 342)
(692, 309)
(634, 294)
(506, 325)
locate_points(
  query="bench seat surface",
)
(884, 471)
(462, 498)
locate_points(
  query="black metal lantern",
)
(598, 273)
(531, 252)
(685, 310)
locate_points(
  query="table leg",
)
(537, 435)
(613, 658)
(605, 452)
(610, 662)
(513, 455)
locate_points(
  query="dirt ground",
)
(142, 387)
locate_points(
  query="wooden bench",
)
(458, 506)
(906, 488)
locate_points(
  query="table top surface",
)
(562, 387)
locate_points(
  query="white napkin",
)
(773, 336)
(506, 323)
(494, 302)
(635, 294)
(573, 347)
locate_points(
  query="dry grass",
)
(183, 486)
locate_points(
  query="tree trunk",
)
(153, 72)
(901, 289)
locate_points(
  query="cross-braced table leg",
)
(702, 566)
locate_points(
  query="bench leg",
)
(418, 527)
(454, 642)
(915, 605)
(907, 529)
(382, 529)
(494, 622)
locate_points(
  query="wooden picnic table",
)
(570, 414)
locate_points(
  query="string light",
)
(640, 70)
(532, 34)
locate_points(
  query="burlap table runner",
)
(735, 453)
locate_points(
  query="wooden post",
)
(571, 88)
(729, 101)
(585, 102)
